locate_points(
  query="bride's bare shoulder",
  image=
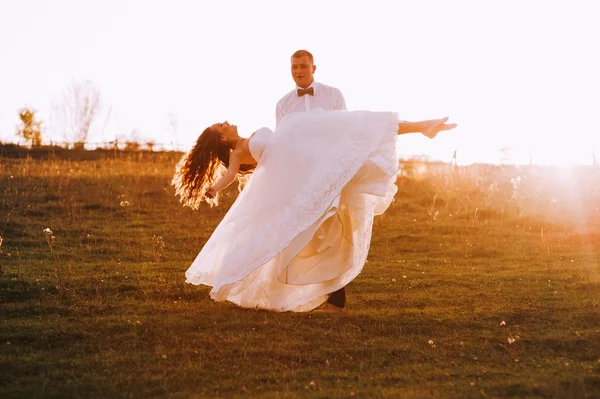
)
(242, 150)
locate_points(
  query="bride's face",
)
(226, 130)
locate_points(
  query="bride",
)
(301, 227)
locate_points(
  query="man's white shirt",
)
(326, 97)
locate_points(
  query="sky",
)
(519, 77)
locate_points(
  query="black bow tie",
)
(302, 92)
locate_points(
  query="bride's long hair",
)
(201, 167)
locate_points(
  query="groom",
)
(307, 96)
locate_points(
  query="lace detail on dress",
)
(336, 169)
(342, 165)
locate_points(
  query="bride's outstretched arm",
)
(228, 178)
(429, 128)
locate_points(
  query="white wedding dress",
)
(301, 227)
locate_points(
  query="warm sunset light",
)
(518, 76)
(299, 199)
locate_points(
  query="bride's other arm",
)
(429, 128)
(228, 178)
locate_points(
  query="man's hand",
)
(436, 126)
(210, 192)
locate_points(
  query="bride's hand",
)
(436, 126)
(210, 192)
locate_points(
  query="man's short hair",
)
(302, 53)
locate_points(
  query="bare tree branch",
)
(79, 107)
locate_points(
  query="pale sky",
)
(521, 74)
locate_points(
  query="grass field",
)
(482, 281)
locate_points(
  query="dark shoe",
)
(329, 308)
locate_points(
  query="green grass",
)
(103, 311)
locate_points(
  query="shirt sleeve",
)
(340, 102)
(278, 113)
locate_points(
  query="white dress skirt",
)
(301, 227)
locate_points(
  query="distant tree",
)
(133, 144)
(150, 145)
(77, 110)
(506, 155)
(113, 145)
(29, 128)
(173, 127)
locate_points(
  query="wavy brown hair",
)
(201, 167)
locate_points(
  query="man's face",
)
(302, 71)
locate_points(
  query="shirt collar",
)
(314, 85)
